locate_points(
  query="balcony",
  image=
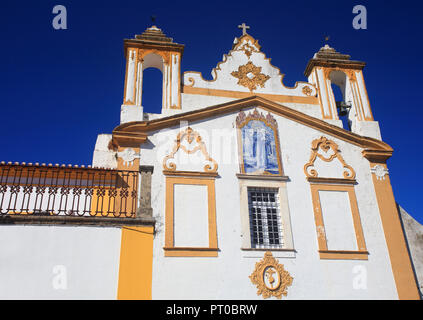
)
(47, 194)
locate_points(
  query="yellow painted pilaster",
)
(136, 263)
(395, 239)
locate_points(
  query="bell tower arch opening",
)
(338, 80)
(152, 83)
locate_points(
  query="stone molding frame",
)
(170, 250)
(345, 184)
(279, 183)
(324, 252)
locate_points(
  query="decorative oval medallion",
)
(270, 277)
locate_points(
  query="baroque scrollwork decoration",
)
(250, 76)
(190, 136)
(325, 145)
(271, 278)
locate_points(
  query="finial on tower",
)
(244, 28)
(327, 39)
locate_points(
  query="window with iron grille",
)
(265, 220)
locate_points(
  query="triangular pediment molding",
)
(137, 132)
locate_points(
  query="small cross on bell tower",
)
(244, 28)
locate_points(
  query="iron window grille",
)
(265, 218)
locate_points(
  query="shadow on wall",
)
(414, 238)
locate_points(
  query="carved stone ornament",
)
(269, 120)
(250, 76)
(271, 278)
(380, 172)
(128, 156)
(190, 136)
(307, 91)
(325, 145)
(247, 44)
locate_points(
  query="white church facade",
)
(241, 188)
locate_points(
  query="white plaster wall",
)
(190, 216)
(338, 221)
(195, 101)
(49, 262)
(367, 129)
(103, 157)
(227, 276)
(131, 113)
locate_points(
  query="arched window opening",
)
(152, 90)
(152, 83)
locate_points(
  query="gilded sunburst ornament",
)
(271, 278)
(250, 76)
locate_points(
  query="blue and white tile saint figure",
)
(259, 148)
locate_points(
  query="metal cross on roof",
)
(244, 28)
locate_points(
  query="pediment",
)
(136, 133)
(247, 69)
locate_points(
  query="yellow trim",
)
(170, 249)
(325, 80)
(358, 98)
(361, 253)
(190, 252)
(367, 97)
(136, 263)
(125, 100)
(359, 110)
(322, 109)
(395, 240)
(240, 95)
(195, 174)
(343, 255)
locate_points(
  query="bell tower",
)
(329, 67)
(151, 49)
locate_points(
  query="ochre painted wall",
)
(136, 262)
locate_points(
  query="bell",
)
(343, 108)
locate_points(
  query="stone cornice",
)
(137, 131)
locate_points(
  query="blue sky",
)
(60, 88)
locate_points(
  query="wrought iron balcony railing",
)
(47, 190)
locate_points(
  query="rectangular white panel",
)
(338, 221)
(191, 216)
